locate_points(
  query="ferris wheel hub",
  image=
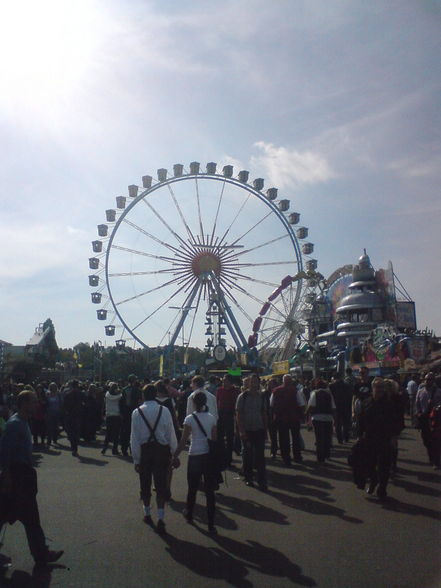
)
(206, 262)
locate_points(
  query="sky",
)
(336, 103)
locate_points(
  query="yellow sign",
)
(280, 368)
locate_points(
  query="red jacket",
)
(285, 408)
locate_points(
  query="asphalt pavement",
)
(312, 528)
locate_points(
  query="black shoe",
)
(188, 516)
(381, 493)
(50, 557)
(371, 488)
(249, 483)
(160, 527)
(148, 520)
(103, 450)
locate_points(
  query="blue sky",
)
(335, 103)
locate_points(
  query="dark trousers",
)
(380, 462)
(253, 455)
(155, 462)
(343, 425)
(73, 430)
(323, 439)
(286, 430)
(113, 426)
(431, 441)
(272, 430)
(126, 423)
(198, 468)
(225, 433)
(52, 424)
(22, 506)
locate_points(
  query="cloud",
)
(290, 168)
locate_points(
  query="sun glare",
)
(46, 47)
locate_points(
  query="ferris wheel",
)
(202, 259)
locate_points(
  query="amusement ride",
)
(204, 259)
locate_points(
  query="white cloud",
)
(290, 168)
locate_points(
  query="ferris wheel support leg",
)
(232, 324)
(185, 310)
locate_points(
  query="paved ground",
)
(313, 528)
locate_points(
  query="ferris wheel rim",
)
(145, 193)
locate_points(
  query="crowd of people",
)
(152, 423)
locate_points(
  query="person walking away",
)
(91, 415)
(428, 396)
(112, 401)
(38, 420)
(181, 401)
(197, 384)
(398, 402)
(362, 391)
(163, 399)
(342, 394)
(73, 411)
(18, 500)
(377, 427)
(152, 441)
(321, 406)
(288, 406)
(226, 397)
(412, 389)
(200, 426)
(252, 425)
(53, 411)
(131, 399)
(272, 427)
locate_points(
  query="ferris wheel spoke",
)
(234, 286)
(141, 294)
(253, 227)
(165, 223)
(178, 208)
(129, 274)
(289, 262)
(239, 276)
(222, 240)
(238, 305)
(143, 253)
(158, 309)
(270, 242)
(219, 202)
(272, 339)
(147, 234)
(199, 208)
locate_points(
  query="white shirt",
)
(211, 402)
(164, 433)
(199, 443)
